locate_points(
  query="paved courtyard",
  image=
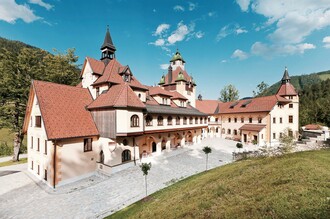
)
(98, 196)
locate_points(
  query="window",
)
(31, 142)
(149, 120)
(290, 97)
(125, 142)
(38, 121)
(134, 121)
(196, 120)
(201, 120)
(235, 120)
(290, 133)
(38, 145)
(126, 156)
(229, 119)
(280, 105)
(185, 120)
(191, 120)
(217, 130)
(160, 121)
(223, 131)
(290, 105)
(281, 135)
(242, 120)
(97, 91)
(169, 120)
(139, 96)
(38, 170)
(178, 120)
(88, 144)
(259, 120)
(250, 120)
(45, 175)
(235, 132)
(280, 119)
(290, 119)
(274, 120)
(274, 135)
(208, 119)
(31, 165)
(228, 131)
(46, 147)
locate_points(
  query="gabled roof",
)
(175, 75)
(176, 95)
(117, 96)
(259, 104)
(63, 110)
(207, 106)
(286, 89)
(153, 91)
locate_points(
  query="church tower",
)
(107, 48)
(177, 79)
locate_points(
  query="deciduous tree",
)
(229, 93)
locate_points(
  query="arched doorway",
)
(189, 138)
(163, 144)
(154, 146)
(126, 156)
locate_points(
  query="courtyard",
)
(21, 196)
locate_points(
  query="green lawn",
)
(6, 136)
(292, 186)
(9, 163)
(324, 76)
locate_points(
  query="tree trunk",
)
(207, 157)
(17, 146)
(146, 185)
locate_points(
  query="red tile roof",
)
(313, 127)
(259, 104)
(252, 127)
(286, 89)
(120, 95)
(207, 106)
(175, 74)
(159, 91)
(177, 95)
(63, 110)
(96, 65)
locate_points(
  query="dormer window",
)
(127, 78)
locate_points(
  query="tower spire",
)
(286, 77)
(107, 48)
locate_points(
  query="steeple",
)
(286, 77)
(177, 61)
(107, 48)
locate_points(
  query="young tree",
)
(229, 93)
(261, 88)
(239, 145)
(17, 70)
(145, 167)
(207, 150)
(286, 142)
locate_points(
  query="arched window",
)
(134, 121)
(178, 120)
(196, 120)
(101, 157)
(191, 120)
(235, 132)
(149, 120)
(125, 142)
(185, 120)
(160, 120)
(169, 120)
(228, 131)
(201, 120)
(217, 130)
(126, 155)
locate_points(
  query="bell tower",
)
(107, 48)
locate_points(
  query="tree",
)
(229, 93)
(145, 167)
(239, 145)
(286, 141)
(261, 88)
(207, 150)
(17, 70)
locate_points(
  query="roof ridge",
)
(121, 89)
(49, 82)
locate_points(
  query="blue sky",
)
(239, 42)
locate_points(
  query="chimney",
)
(169, 74)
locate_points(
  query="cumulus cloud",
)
(243, 4)
(230, 29)
(10, 11)
(179, 34)
(42, 4)
(162, 28)
(262, 49)
(164, 66)
(158, 42)
(326, 41)
(192, 6)
(178, 8)
(239, 54)
(293, 20)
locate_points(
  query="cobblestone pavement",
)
(97, 196)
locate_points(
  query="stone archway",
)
(163, 144)
(189, 138)
(176, 140)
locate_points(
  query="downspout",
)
(134, 150)
(54, 158)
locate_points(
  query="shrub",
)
(255, 142)
(239, 145)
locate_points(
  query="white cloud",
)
(41, 3)
(293, 20)
(199, 34)
(243, 4)
(158, 42)
(192, 6)
(10, 11)
(326, 41)
(239, 54)
(268, 51)
(162, 28)
(178, 8)
(224, 61)
(211, 14)
(179, 34)
(230, 29)
(164, 66)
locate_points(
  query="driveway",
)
(99, 196)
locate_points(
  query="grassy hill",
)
(292, 186)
